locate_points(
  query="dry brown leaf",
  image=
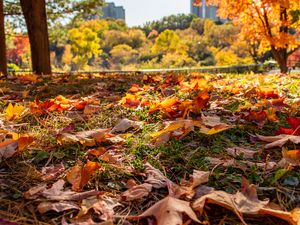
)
(57, 193)
(211, 121)
(86, 220)
(169, 211)
(56, 206)
(91, 109)
(7, 149)
(137, 192)
(238, 203)
(155, 177)
(126, 124)
(237, 152)
(52, 172)
(86, 138)
(245, 202)
(198, 178)
(279, 140)
(103, 206)
(241, 164)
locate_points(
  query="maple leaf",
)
(169, 211)
(267, 93)
(130, 101)
(126, 124)
(57, 193)
(101, 205)
(52, 172)
(137, 192)
(244, 202)
(279, 140)
(8, 148)
(155, 177)
(14, 112)
(237, 152)
(79, 175)
(56, 206)
(271, 114)
(28, 78)
(200, 102)
(257, 117)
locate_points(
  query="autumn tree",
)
(84, 45)
(169, 42)
(276, 21)
(36, 21)
(3, 63)
(36, 12)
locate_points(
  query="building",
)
(204, 11)
(110, 10)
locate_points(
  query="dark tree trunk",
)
(36, 21)
(281, 57)
(3, 60)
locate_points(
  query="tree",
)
(3, 61)
(173, 22)
(36, 21)
(35, 15)
(85, 46)
(276, 22)
(123, 55)
(19, 54)
(169, 42)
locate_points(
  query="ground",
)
(178, 123)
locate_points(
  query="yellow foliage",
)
(14, 112)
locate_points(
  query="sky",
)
(138, 12)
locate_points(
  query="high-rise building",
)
(204, 11)
(113, 11)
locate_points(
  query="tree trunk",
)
(3, 59)
(36, 21)
(281, 57)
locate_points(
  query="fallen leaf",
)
(80, 175)
(85, 220)
(291, 156)
(169, 211)
(14, 112)
(52, 172)
(56, 206)
(279, 140)
(137, 192)
(241, 164)
(155, 177)
(244, 202)
(237, 152)
(126, 124)
(8, 148)
(257, 117)
(103, 206)
(24, 142)
(57, 193)
(198, 178)
(91, 109)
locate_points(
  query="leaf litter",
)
(98, 157)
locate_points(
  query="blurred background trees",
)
(79, 40)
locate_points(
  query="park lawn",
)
(66, 128)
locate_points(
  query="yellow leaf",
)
(14, 112)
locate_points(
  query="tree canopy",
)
(275, 23)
